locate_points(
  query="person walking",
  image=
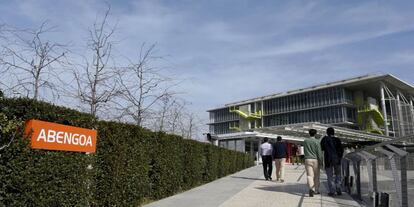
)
(280, 153)
(266, 151)
(313, 160)
(333, 152)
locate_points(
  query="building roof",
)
(351, 82)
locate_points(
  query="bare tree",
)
(143, 85)
(9, 128)
(174, 117)
(166, 104)
(32, 60)
(190, 125)
(95, 80)
(177, 113)
(171, 109)
(2, 72)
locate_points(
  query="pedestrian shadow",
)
(246, 178)
(296, 189)
(337, 202)
(299, 166)
(301, 176)
(301, 190)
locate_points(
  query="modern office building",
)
(365, 108)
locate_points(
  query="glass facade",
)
(235, 144)
(351, 114)
(306, 100)
(224, 128)
(329, 106)
(223, 115)
(326, 115)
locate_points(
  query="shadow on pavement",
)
(337, 203)
(295, 189)
(300, 189)
(246, 178)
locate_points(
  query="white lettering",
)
(89, 141)
(42, 135)
(59, 137)
(82, 140)
(62, 137)
(51, 136)
(75, 139)
(68, 138)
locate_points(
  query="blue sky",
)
(225, 51)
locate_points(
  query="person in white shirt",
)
(266, 151)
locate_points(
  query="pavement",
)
(248, 188)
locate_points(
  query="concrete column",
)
(259, 152)
(357, 172)
(261, 118)
(374, 175)
(404, 181)
(400, 116)
(412, 109)
(412, 105)
(251, 148)
(411, 101)
(384, 110)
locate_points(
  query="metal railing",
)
(381, 174)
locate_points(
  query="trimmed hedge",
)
(131, 166)
(38, 177)
(122, 167)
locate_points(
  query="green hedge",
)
(131, 166)
(38, 177)
(122, 165)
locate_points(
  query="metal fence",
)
(381, 174)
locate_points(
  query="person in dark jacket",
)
(280, 153)
(333, 152)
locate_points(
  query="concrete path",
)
(248, 188)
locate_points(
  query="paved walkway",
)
(248, 188)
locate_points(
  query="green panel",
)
(249, 116)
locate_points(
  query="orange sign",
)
(52, 136)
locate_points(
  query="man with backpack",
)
(333, 152)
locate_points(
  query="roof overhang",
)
(256, 134)
(298, 132)
(366, 79)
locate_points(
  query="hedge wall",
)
(131, 166)
(38, 177)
